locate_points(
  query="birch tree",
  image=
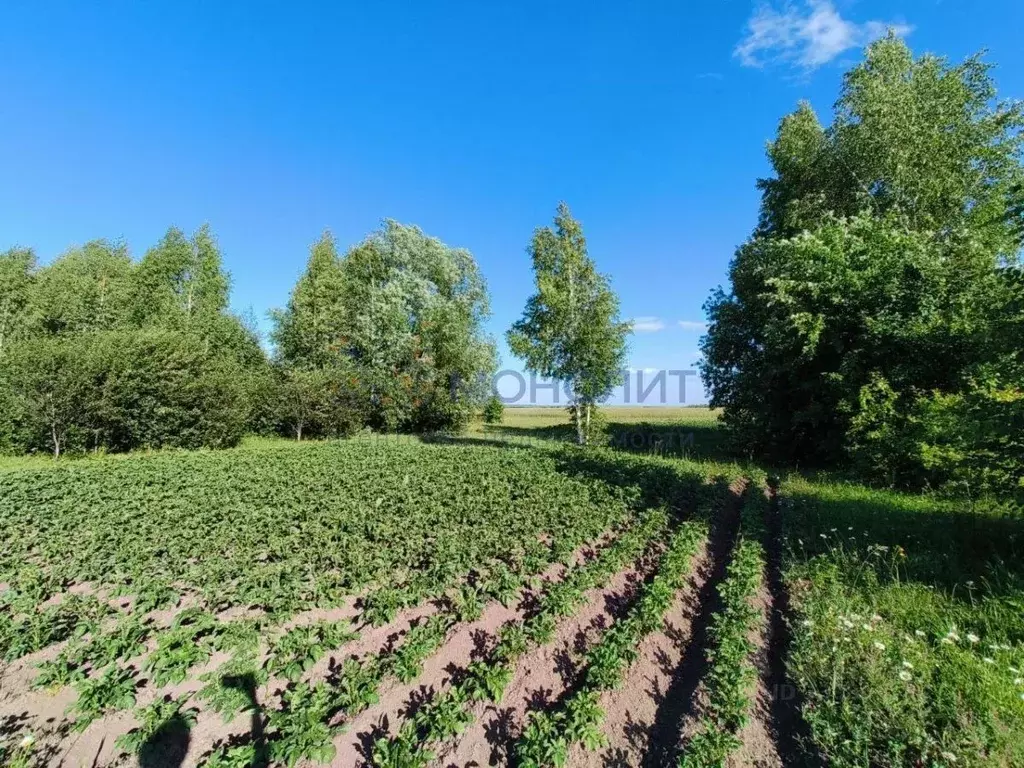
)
(570, 329)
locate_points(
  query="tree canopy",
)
(879, 275)
(570, 329)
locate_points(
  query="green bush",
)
(494, 410)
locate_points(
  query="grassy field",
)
(500, 598)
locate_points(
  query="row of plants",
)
(908, 632)
(312, 714)
(449, 712)
(731, 672)
(549, 735)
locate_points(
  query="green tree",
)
(49, 387)
(400, 316)
(870, 292)
(570, 329)
(414, 314)
(309, 332)
(180, 281)
(17, 274)
(85, 289)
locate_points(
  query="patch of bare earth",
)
(544, 675)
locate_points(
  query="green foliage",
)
(102, 354)
(231, 689)
(402, 751)
(85, 289)
(908, 630)
(869, 306)
(570, 329)
(731, 673)
(28, 628)
(300, 730)
(494, 410)
(17, 278)
(188, 643)
(156, 719)
(396, 324)
(298, 649)
(113, 690)
(282, 528)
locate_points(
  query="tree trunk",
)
(581, 438)
(298, 432)
(56, 441)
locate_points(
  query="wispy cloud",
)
(647, 324)
(693, 325)
(808, 33)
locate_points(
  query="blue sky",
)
(273, 122)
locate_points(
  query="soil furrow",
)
(679, 705)
(544, 675)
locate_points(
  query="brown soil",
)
(540, 679)
(631, 712)
(542, 676)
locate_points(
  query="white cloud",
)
(693, 325)
(809, 34)
(647, 324)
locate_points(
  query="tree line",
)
(102, 353)
(875, 317)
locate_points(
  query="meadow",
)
(501, 597)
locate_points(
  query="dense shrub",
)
(494, 410)
(122, 390)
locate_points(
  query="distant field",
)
(500, 598)
(546, 416)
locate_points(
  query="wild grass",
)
(909, 628)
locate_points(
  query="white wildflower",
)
(879, 646)
(907, 664)
(973, 638)
(919, 633)
(905, 676)
(27, 741)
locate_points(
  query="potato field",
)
(490, 600)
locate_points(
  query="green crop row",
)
(355, 686)
(448, 713)
(731, 672)
(548, 735)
